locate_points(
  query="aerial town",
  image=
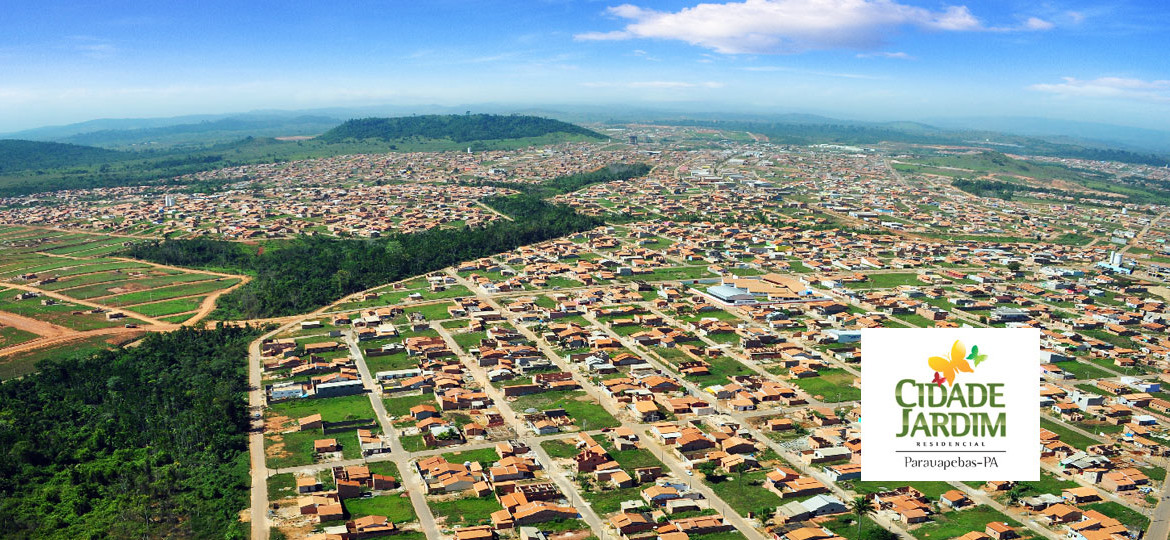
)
(691, 370)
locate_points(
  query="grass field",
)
(721, 368)
(631, 459)
(296, 448)
(281, 485)
(834, 385)
(468, 511)
(400, 406)
(331, 409)
(1083, 371)
(398, 360)
(60, 314)
(149, 281)
(173, 291)
(952, 524)
(396, 508)
(1128, 516)
(745, 493)
(610, 500)
(587, 413)
(10, 336)
(169, 307)
(1067, 435)
(559, 449)
(485, 456)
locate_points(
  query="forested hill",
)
(143, 442)
(20, 155)
(458, 128)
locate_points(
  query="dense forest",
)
(305, 273)
(17, 155)
(466, 128)
(143, 442)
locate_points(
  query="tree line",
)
(140, 442)
(458, 128)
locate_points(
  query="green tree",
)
(861, 508)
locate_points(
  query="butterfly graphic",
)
(975, 356)
(947, 369)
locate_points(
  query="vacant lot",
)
(586, 412)
(331, 409)
(833, 385)
(73, 316)
(396, 508)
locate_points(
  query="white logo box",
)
(1010, 371)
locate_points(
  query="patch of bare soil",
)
(570, 535)
(128, 287)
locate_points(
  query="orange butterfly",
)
(957, 362)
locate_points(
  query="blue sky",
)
(70, 61)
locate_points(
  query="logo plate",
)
(950, 404)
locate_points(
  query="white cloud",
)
(809, 72)
(653, 84)
(893, 55)
(1157, 91)
(778, 26)
(1036, 23)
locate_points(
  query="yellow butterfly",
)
(948, 368)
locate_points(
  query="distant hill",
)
(19, 155)
(457, 128)
(206, 131)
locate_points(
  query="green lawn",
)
(952, 524)
(469, 340)
(468, 511)
(631, 459)
(396, 508)
(297, 447)
(388, 468)
(400, 406)
(1092, 389)
(60, 313)
(10, 336)
(485, 456)
(559, 449)
(164, 293)
(1083, 371)
(1067, 435)
(610, 500)
(1048, 484)
(281, 486)
(1126, 515)
(587, 413)
(721, 368)
(745, 493)
(142, 282)
(331, 409)
(390, 362)
(412, 443)
(168, 307)
(833, 384)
